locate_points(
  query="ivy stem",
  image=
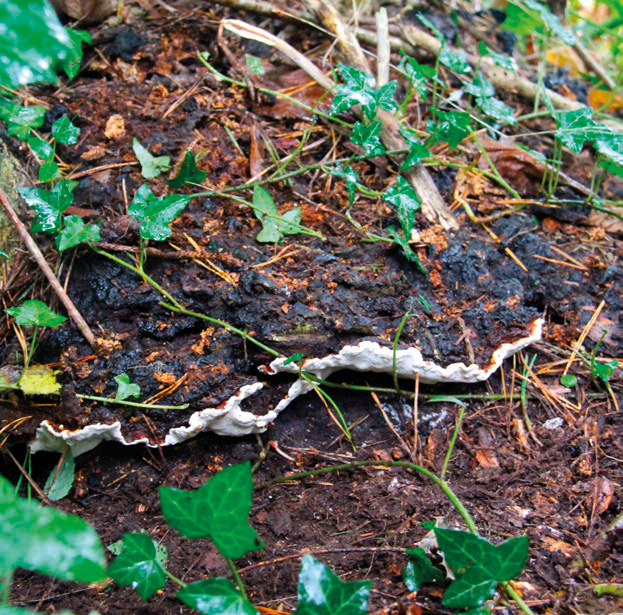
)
(5, 588)
(173, 577)
(237, 578)
(455, 435)
(28, 358)
(125, 402)
(442, 484)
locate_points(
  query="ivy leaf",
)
(497, 109)
(49, 205)
(49, 170)
(71, 64)
(419, 75)
(35, 312)
(349, 175)
(65, 132)
(151, 166)
(137, 566)
(33, 42)
(419, 570)
(464, 550)
(76, 232)
(215, 597)
(498, 58)
(529, 15)
(369, 137)
(156, 213)
(126, 389)
(452, 127)
(274, 226)
(254, 64)
(359, 89)
(429, 24)
(402, 196)
(188, 172)
(219, 509)
(417, 151)
(41, 148)
(576, 127)
(59, 488)
(161, 551)
(385, 96)
(455, 60)
(47, 540)
(469, 590)
(321, 592)
(23, 120)
(480, 87)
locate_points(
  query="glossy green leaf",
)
(403, 197)
(604, 371)
(417, 151)
(215, 597)
(499, 58)
(3, 254)
(526, 16)
(49, 205)
(219, 509)
(321, 592)
(455, 60)
(429, 24)
(71, 65)
(470, 589)
(254, 64)
(161, 551)
(464, 550)
(369, 138)
(577, 127)
(419, 75)
(419, 570)
(385, 96)
(156, 213)
(60, 482)
(49, 170)
(358, 88)
(295, 357)
(349, 175)
(35, 312)
(188, 172)
(41, 148)
(47, 540)
(75, 232)
(497, 109)
(452, 127)
(480, 87)
(151, 166)
(125, 388)
(23, 120)
(65, 132)
(137, 566)
(33, 44)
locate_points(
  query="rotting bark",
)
(433, 206)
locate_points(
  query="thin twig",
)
(73, 312)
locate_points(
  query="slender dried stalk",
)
(73, 312)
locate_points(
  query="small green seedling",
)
(37, 314)
(254, 64)
(274, 225)
(45, 540)
(568, 380)
(188, 173)
(125, 388)
(478, 566)
(151, 166)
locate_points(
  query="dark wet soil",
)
(314, 299)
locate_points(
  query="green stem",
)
(32, 349)
(125, 402)
(387, 464)
(455, 435)
(173, 578)
(237, 578)
(5, 589)
(395, 349)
